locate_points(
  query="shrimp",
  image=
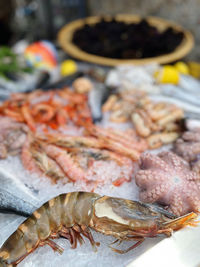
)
(52, 108)
(27, 158)
(75, 158)
(43, 111)
(65, 161)
(72, 215)
(61, 117)
(71, 96)
(46, 164)
(13, 114)
(28, 117)
(71, 141)
(114, 142)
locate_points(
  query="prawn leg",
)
(141, 239)
(52, 244)
(86, 232)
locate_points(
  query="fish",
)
(186, 106)
(15, 197)
(97, 96)
(191, 97)
(65, 81)
(189, 84)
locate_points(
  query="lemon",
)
(168, 74)
(194, 68)
(182, 67)
(68, 67)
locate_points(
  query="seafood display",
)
(73, 139)
(71, 216)
(157, 122)
(12, 136)
(51, 109)
(66, 157)
(167, 179)
(188, 147)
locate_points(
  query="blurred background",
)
(35, 20)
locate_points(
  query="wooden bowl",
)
(65, 36)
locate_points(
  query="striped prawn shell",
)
(63, 210)
(71, 215)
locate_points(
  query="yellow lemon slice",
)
(168, 74)
(68, 67)
(194, 68)
(182, 67)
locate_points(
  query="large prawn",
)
(71, 215)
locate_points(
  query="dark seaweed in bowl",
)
(120, 40)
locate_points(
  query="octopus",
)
(188, 147)
(12, 136)
(167, 179)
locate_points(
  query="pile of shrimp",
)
(157, 122)
(51, 109)
(95, 158)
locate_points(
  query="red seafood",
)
(65, 161)
(119, 142)
(79, 158)
(43, 112)
(27, 157)
(52, 108)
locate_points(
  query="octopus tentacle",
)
(145, 178)
(193, 200)
(185, 150)
(193, 176)
(174, 160)
(147, 161)
(196, 167)
(153, 194)
(176, 206)
(193, 136)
